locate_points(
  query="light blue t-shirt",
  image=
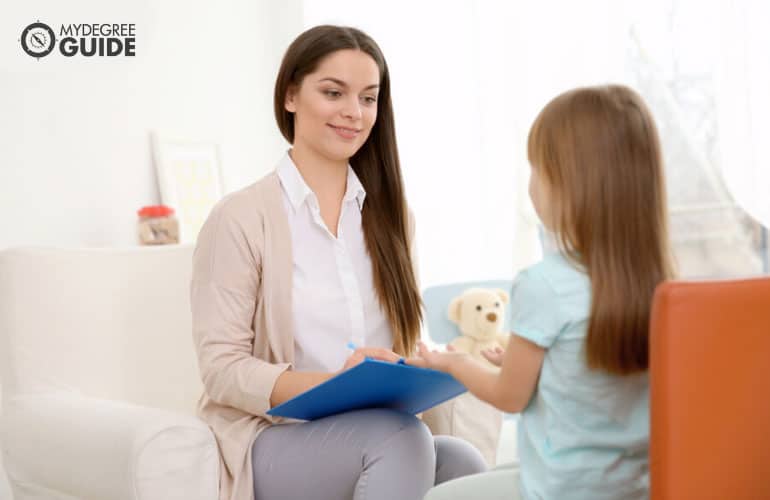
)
(584, 434)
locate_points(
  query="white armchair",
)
(99, 376)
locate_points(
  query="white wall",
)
(74, 133)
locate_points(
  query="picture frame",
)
(189, 179)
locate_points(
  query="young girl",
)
(576, 366)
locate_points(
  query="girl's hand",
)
(494, 356)
(442, 361)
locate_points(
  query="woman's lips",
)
(345, 132)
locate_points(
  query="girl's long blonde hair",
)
(599, 153)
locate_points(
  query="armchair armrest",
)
(92, 448)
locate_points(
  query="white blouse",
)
(333, 297)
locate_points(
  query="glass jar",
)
(157, 225)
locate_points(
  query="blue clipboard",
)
(373, 384)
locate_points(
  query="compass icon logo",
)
(38, 39)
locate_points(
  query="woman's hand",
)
(352, 361)
(494, 356)
(362, 353)
(442, 361)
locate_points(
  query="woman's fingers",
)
(353, 360)
(424, 358)
(380, 353)
(417, 361)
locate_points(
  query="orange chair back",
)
(710, 390)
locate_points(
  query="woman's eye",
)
(370, 99)
(478, 308)
(332, 93)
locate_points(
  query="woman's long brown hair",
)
(599, 152)
(384, 216)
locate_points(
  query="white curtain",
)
(679, 53)
(743, 103)
(468, 79)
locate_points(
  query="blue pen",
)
(352, 346)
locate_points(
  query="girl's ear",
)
(290, 101)
(503, 295)
(454, 310)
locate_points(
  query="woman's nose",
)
(352, 110)
(492, 317)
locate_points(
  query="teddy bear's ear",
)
(454, 309)
(503, 295)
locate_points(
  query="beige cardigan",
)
(240, 298)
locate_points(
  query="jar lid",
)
(155, 211)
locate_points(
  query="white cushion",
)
(80, 330)
(62, 446)
(107, 323)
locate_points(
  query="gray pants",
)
(361, 455)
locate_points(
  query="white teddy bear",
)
(479, 313)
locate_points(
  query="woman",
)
(290, 269)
